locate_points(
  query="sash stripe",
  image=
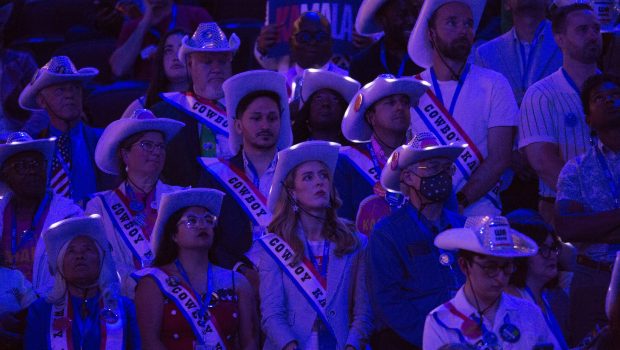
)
(362, 162)
(207, 114)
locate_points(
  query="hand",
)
(268, 37)
(362, 41)
(291, 346)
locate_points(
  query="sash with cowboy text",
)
(303, 275)
(362, 161)
(206, 330)
(206, 113)
(61, 328)
(249, 197)
(443, 125)
(123, 222)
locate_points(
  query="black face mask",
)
(436, 188)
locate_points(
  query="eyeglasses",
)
(492, 270)
(305, 37)
(547, 250)
(23, 167)
(193, 221)
(432, 167)
(150, 146)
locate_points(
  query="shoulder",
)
(398, 219)
(39, 308)
(544, 86)
(65, 205)
(516, 303)
(487, 49)
(487, 76)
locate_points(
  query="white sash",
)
(249, 197)
(362, 162)
(209, 115)
(131, 233)
(308, 281)
(61, 321)
(447, 130)
(205, 332)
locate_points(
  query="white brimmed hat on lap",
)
(208, 37)
(354, 125)
(106, 152)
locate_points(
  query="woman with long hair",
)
(311, 266)
(184, 301)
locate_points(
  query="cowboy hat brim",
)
(44, 78)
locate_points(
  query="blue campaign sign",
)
(340, 13)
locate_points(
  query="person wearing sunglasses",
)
(536, 278)
(481, 313)
(184, 301)
(135, 149)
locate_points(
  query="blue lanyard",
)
(554, 327)
(608, 176)
(30, 232)
(85, 325)
(570, 81)
(457, 92)
(383, 57)
(375, 159)
(171, 26)
(527, 61)
(204, 303)
(323, 267)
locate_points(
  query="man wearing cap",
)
(259, 125)
(29, 206)
(482, 314)
(588, 205)
(378, 118)
(395, 18)
(553, 128)
(57, 88)
(208, 54)
(407, 275)
(466, 102)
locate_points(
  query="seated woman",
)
(312, 265)
(481, 313)
(135, 148)
(184, 301)
(84, 310)
(536, 277)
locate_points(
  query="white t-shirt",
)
(551, 111)
(485, 101)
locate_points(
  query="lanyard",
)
(608, 176)
(375, 159)
(527, 61)
(323, 269)
(204, 304)
(85, 326)
(171, 26)
(457, 92)
(570, 81)
(550, 319)
(29, 234)
(383, 57)
(252, 169)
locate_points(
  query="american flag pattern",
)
(61, 183)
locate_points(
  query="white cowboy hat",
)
(106, 152)
(354, 125)
(172, 202)
(613, 298)
(288, 159)
(64, 231)
(419, 47)
(240, 85)
(423, 146)
(314, 80)
(208, 37)
(365, 22)
(20, 141)
(58, 70)
(487, 236)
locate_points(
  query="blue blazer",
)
(287, 315)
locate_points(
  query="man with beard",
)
(395, 18)
(138, 39)
(208, 55)
(553, 128)
(259, 126)
(466, 102)
(57, 88)
(588, 205)
(407, 275)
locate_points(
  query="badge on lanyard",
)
(509, 332)
(446, 259)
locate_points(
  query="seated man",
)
(408, 276)
(29, 206)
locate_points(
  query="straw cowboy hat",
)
(487, 235)
(288, 159)
(419, 47)
(106, 152)
(58, 70)
(240, 85)
(423, 146)
(354, 125)
(208, 37)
